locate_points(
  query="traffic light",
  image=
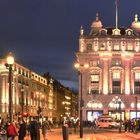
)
(25, 114)
(135, 102)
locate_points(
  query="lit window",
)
(137, 75)
(129, 47)
(116, 75)
(94, 78)
(116, 47)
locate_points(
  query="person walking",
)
(129, 125)
(65, 132)
(45, 127)
(125, 125)
(34, 130)
(22, 130)
(11, 131)
(135, 126)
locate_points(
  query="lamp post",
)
(9, 64)
(80, 68)
(118, 104)
(39, 95)
(43, 104)
(22, 101)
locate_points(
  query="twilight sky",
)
(43, 34)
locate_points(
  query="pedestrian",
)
(125, 125)
(65, 131)
(11, 131)
(34, 129)
(135, 126)
(45, 127)
(22, 130)
(129, 125)
(132, 125)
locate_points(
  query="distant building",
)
(111, 84)
(66, 101)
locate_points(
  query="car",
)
(114, 124)
(106, 121)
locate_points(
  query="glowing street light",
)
(81, 67)
(9, 64)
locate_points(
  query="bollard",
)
(65, 132)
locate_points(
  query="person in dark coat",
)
(65, 132)
(22, 130)
(126, 125)
(34, 130)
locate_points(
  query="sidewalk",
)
(76, 137)
(132, 135)
(56, 134)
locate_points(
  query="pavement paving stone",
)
(132, 135)
(54, 135)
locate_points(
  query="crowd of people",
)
(10, 130)
(132, 125)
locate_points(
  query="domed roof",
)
(136, 24)
(97, 23)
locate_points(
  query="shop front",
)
(93, 114)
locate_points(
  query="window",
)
(94, 78)
(116, 62)
(116, 75)
(89, 47)
(94, 91)
(137, 76)
(102, 47)
(129, 47)
(116, 47)
(116, 87)
(103, 32)
(116, 83)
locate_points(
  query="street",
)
(102, 134)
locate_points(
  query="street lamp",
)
(118, 104)
(22, 101)
(9, 64)
(43, 104)
(80, 68)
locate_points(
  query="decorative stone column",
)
(105, 76)
(127, 76)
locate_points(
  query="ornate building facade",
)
(111, 84)
(35, 93)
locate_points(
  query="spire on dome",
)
(81, 31)
(136, 18)
(136, 24)
(97, 16)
